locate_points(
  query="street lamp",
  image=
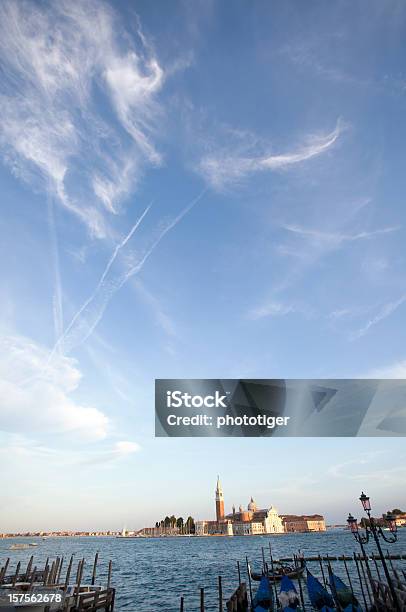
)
(391, 520)
(371, 528)
(352, 523)
(366, 504)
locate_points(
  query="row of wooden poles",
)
(363, 573)
(240, 593)
(51, 574)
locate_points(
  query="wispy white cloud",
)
(114, 184)
(131, 90)
(333, 240)
(350, 313)
(346, 469)
(309, 245)
(223, 168)
(340, 313)
(271, 309)
(159, 314)
(21, 448)
(120, 450)
(393, 370)
(36, 393)
(311, 54)
(54, 57)
(385, 311)
(367, 468)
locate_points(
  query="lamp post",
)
(371, 528)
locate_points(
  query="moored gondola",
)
(319, 597)
(343, 595)
(279, 571)
(288, 596)
(264, 599)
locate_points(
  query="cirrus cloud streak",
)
(57, 61)
(224, 168)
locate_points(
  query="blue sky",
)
(194, 190)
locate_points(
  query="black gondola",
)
(280, 570)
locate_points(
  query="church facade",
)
(252, 521)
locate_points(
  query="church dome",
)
(252, 506)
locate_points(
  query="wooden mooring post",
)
(30, 562)
(272, 568)
(300, 584)
(78, 581)
(263, 560)
(3, 570)
(16, 574)
(110, 572)
(348, 574)
(238, 601)
(220, 587)
(365, 579)
(58, 578)
(68, 572)
(360, 581)
(322, 570)
(96, 558)
(249, 578)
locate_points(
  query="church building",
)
(252, 521)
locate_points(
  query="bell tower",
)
(219, 502)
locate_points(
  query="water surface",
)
(151, 574)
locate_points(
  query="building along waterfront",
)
(255, 521)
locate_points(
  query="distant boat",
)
(288, 597)
(33, 544)
(264, 599)
(319, 596)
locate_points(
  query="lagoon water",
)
(150, 574)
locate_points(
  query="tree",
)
(190, 525)
(179, 524)
(173, 520)
(397, 511)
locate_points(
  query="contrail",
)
(80, 329)
(116, 251)
(170, 226)
(119, 247)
